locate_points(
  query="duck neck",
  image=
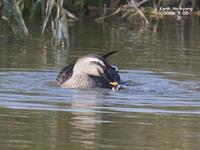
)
(80, 80)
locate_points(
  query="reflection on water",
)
(158, 110)
(84, 122)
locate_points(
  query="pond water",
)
(160, 109)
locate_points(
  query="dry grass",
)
(52, 13)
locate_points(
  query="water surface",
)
(160, 108)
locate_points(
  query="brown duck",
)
(90, 71)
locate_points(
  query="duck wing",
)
(65, 74)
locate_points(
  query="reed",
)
(14, 12)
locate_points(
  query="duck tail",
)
(108, 54)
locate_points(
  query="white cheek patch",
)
(96, 60)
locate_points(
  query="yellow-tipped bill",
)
(114, 83)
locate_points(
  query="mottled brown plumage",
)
(89, 71)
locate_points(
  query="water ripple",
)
(148, 93)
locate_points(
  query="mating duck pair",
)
(90, 71)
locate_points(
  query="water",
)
(160, 108)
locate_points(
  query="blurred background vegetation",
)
(54, 15)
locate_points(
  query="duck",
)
(90, 71)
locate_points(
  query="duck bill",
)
(114, 83)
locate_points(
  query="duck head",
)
(97, 67)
